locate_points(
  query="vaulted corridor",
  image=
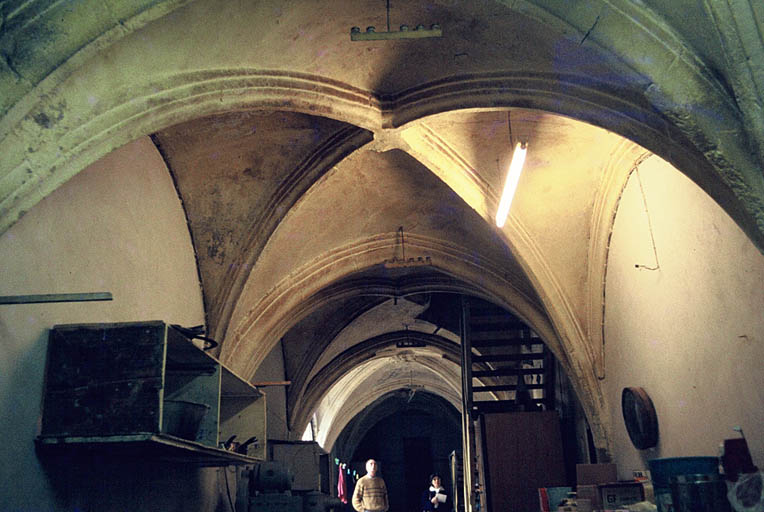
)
(320, 206)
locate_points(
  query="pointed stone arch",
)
(46, 139)
(309, 287)
(317, 386)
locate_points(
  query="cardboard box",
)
(590, 492)
(587, 474)
(550, 497)
(618, 494)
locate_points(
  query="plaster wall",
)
(119, 227)
(691, 333)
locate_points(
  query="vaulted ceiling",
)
(304, 160)
(279, 202)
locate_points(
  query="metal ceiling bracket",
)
(404, 33)
(371, 33)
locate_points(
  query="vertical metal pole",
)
(466, 405)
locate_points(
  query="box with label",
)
(618, 494)
(587, 474)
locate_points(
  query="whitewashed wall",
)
(119, 227)
(690, 333)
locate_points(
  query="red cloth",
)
(341, 492)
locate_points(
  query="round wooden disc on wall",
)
(640, 418)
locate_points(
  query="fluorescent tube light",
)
(513, 176)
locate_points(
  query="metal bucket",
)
(699, 493)
(662, 470)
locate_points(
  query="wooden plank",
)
(55, 297)
(507, 371)
(523, 451)
(508, 321)
(496, 406)
(142, 446)
(499, 358)
(504, 387)
(501, 338)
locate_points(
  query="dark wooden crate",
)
(103, 380)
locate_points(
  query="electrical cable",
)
(649, 225)
(228, 490)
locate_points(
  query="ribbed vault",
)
(321, 383)
(305, 162)
(386, 373)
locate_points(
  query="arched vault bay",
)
(366, 382)
(368, 195)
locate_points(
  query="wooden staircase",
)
(457, 480)
(506, 367)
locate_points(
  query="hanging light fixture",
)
(510, 185)
(419, 31)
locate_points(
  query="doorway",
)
(418, 457)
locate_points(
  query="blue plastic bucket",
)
(661, 471)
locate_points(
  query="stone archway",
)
(49, 134)
(54, 130)
(309, 287)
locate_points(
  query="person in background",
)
(435, 497)
(370, 494)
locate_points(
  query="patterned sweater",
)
(370, 494)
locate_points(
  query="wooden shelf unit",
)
(144, 385)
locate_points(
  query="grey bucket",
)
(699, 493)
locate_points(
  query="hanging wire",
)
(649, 225)
(228, 489)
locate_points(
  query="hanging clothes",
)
(341, 489)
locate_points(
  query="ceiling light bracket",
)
(371, 34)
(419, 32)
(396, 262)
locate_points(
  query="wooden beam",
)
(271, 383)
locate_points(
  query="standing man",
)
(370, 494)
